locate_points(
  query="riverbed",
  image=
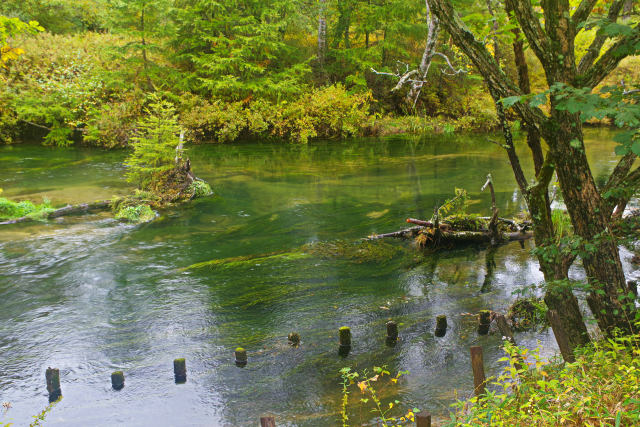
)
(91, 295)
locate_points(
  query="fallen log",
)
(64, 211)
(510, 222)
(454, 237)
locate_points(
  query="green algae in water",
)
(247, 260)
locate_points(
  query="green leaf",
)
(510, 101)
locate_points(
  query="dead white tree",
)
(418, 77)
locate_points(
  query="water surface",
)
(91, 295)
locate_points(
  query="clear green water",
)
(90, 295)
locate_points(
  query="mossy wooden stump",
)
(117, 380)
(294, 339)
(53, 384)
(484, 320)
(344, 338)
(392, 332)
(441, 325)
(180, 370)
(241, 357)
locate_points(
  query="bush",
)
(600, 388)
(329, 112)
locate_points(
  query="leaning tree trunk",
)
(599, 251)
(554, 266)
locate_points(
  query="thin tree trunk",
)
(427, 58)
(322, 34)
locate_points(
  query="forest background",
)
(290, 70)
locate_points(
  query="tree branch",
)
(530, 25)
(483, 60)
(608, 61)
(582, 12)
(596, 45)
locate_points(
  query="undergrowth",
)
(601, 388)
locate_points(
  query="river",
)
(90, 295)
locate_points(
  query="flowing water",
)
(91, 295)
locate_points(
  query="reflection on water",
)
(90, 295)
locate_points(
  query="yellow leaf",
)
(395, 380)
(390, 405)
(362, 385)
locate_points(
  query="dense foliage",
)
(599, 388)
(252, 68)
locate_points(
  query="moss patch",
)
(199, 188)
(137, 214)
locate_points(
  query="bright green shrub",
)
(329, 112)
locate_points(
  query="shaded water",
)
(90, 295)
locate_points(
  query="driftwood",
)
(67, 210)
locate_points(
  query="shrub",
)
(329, 112)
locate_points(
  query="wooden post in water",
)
(441, 325)
(423, 419)
(477, 364)
(344, 338)
(117, 380)
(561, 337)
(241, 357)
(267, 422)
(392, 332)
(484, 320)
(180, 370)
(53, 384)
(294, 339)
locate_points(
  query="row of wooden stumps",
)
(423, 419)
(52, 376)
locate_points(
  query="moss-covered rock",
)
(136, 214)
